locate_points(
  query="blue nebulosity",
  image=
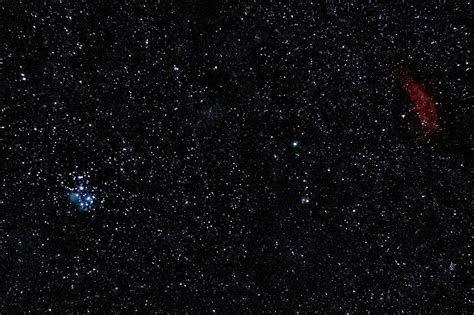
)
(82, 199)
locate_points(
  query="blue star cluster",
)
(82, 198)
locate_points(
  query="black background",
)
(182, 116)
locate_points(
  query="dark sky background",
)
(242, 157)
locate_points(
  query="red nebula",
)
(423, 104)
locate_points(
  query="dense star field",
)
(219, 156)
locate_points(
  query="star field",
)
(223, 157)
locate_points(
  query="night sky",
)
(222, 157)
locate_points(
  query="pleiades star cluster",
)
(236, 156)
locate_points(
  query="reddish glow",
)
(423, 104)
